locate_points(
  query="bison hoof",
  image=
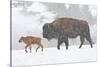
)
(58, 48)
(66, 48)
(79, 47)
(91, 46)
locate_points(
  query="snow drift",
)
(54, 56)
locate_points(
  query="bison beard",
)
(64, 28)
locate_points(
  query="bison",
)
(29, 40)
(64, 28)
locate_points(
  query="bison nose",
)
(43, 35)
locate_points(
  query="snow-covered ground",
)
(28, 19)
(54, 56)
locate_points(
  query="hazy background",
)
(28, 17)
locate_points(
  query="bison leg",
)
(26, 48)
(82, 41)
(90, 41)
(59, 43)
(66, 43)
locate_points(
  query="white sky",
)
(67, 6)
(93, 10)
(37, 7)
(42, 9)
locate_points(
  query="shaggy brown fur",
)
(64, 28)
(29, 40)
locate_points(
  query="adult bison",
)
(64, 28)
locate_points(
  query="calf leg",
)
(82, 41)
(26, 48)
(37, 48)
(41, 47)
(30, 49)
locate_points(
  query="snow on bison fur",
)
(64, 28)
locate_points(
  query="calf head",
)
(21, 39)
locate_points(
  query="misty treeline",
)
(72, 10)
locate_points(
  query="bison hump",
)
(70, 24)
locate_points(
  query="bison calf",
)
(29, 40)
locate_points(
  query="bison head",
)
(49, 31)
